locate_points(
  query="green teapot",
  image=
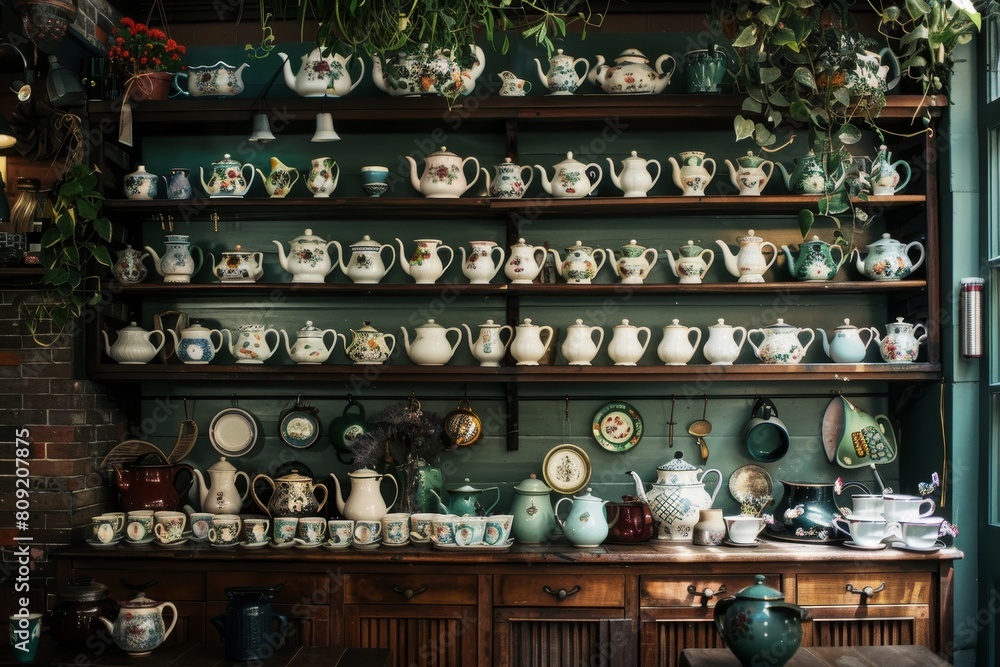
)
(815, 260)
(808, 177)
(758, 626)
(465, 500)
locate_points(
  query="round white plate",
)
(617, 427)
(233, 432)
(566, 469)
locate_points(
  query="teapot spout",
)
(202, 488)
(732, 174)
(468, 331)
(282, 257)
(406, 339)
(336, 494)
(107, 624)
(826, 342)
(640, 488)
(676, 172)
(542, 76)
(405, 265)
(599, 70)
(156, 259)
(546, 183)
(107, 344)
(731, 264)
(442, 508)
(340, 256)
(611, 172)
(790, 259)
(859, 263)
(287, 71)
(414, 176)
(201, 177)
(785, 175)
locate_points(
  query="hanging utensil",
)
(699, 429)
(671, 424)
(345, 428)
(463, 426)
(187, 435)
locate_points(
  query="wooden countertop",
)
(857, 656)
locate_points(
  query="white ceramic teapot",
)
(582, 263)
(586, 526)
(195, 344)
(220, 495)
(133, 345)
(562, 79)
(749, 264)
(228, 178)
(570, 180)
(218, 80)
(444, 175)
(632, 75)
(139, 627)
(508, 181)
(780, 343)
(524, 263)
(580, 348)
(752, 175)
(488, 346)
(238, 266)
(901, 344)
(368, 346)
(321, 76)
(847, 346)
(690, 265)
(249, 345)
(425, 265)
(692, 175)
(625, 348)
(365, 502)
(528, 347)
(178, 263)
(888, 259)
(721, 348)
(885, 179)
(677, 348)
(479, 266)
(430, 346)
(310, 344)
(635, 262)
(308, 258)
(365, 265)
(634, 179)
(677, 497)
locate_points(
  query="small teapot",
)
(631, 522)
(178, 263)
(721, 348)
(562, 79)
(444, 175)
(901, 344)
(692, 175)
(884, 178)
(749, 264)
(140, 184)
(425, 265)
(635, 262)
(467, 500)
(237, 266)
(753, 174)
(431, 346)
(780, 343)
(676, 348)
(310, 344)
(534, 520)
(632, 75)
(488, 347)
(365, 502)
(133, 345)
(690, 265)
(369, 345)
(634, 180)
(323, 177)
(527, 347)
(625, 349)
(508, 181)
(579, 348)
(220, 495)
(281, 179)
(815, 261)
(321, 76)
(808, 176)
(227, 178)
(586, 525)
(581, 263)
(479, 266)
(525, 263)
(847, 346)
(139, 627)
(195, 344)
(128, 266)
(570, 180)
(889, 259)
(218, 80)
(249, 346)
(365, 265)
(178, 185)
(308, 258)
(292, 495)
(759, 606)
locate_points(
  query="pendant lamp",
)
(63, 87)
(324, 128)
(45, 21)
(261, 129)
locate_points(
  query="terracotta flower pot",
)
(149, 86)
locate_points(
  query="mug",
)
(743, 528)
(864, 532)
(25, 635)
(367, 532)
(922, 533)
(312, 530)
(169, 526)
(470, 530)
(255, 530)
(225, 530)
(899, 507)
(765, 436)
(285, 528)
(443, 529)
(498, 529)
(139, 525)
(200, 523)
(341, 531)
(422, 526)
(867, 506)
(106, 527)
(396, 528)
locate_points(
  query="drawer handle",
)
(562, 593)
(866, 592)
(706, 593)
(409, 593)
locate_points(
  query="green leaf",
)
(785, 37)
(806, 220)
(59, 316)
(746, 38)
(72, 255)
(744, 127)
(51, 238)
(778, 99)
(769, 15)
(87, 209)
(769, 74)
(65, 225)
(799, 110)
(837, 202)
(103, 228)
(917, 9)
(805, 77)
(842, 96)
(763, 136)
(74, 279)
(752, 105)
(102, 256)
(848, 134)
(56, 276)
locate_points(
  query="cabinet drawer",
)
(562, 590)
(673, 591)
(830, 589)
(173, 586)
(295, 588)
(410, 589)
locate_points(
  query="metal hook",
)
(186, 415)
(566, 415)
(704, 409)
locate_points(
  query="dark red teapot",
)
(631, 521)
(151, 484)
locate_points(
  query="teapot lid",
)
(759, 591)
(720, 325)
(443, 152)
(308, 237)
(676, 324)
(294, 476)
(194, 326)
(239, 251)
(227, 159)
(886, 238)
(632, 244)
(363, 473)
(133, 328)
(489, 324)
(751, 237)
(677, 464)
(527, 323)
(846, 325)
(579, 323)
(533, 486)
(309, 329)
(692, 247)
(560, 56)
(365, 242)
(222, 465)
(589, 496)
(431, 324)
(751, 160)
(899, 323)
(815, 240)
(140, 601)
(780, 324)
(624, 325)
(632, 56)
(578, 246)
(367, 327)
(85, 589)
(568, 161)
(465, 488)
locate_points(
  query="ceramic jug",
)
(738, 619)
(321, 75)
(534, 518)
(310, 344)
(677, 348)
(692, 175)
(580, 348)
(323, 177)
(570, 179)
(806, 512)
(634, 179)
(721, 348)
(220, 495)
(308, 258)
(525, 263)
(562, 77)
(421, 71)
(249, 345)
(237, 266)
(365, 502)
(428, 486)
(815, 261)
(705, 69)
(292, 495)
(632, 74)
(749, 264)
(479, 266)
(365, 265)
(444, 175)
(513, 86)
(195, 344)
(873, 73)
(488, 346)
(228, 178)
(752, 175)
(631, 521)
(128, 266)
(676, 497)
(281, 179)
(178, 185)
(141, 184)
(431, 346)
(151, 486)
(889, 259)
(467, 500)
(853, 438)
(247, 628)
(425, 265)
(690, 265)
(847, 346)
(508, 180)
(133, 345)
(581, 264)
(780, 343)
(635, 262)
(368, 345)
(139, 627)
(625, 348)
(178, 263)
(586, 525)
(218, 80)
(809, 177)
(528, 346)
(900, 345)
(885, 179)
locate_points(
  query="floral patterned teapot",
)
(427, 73)
(632, 75)
(692, 175)
(753, 174)
(677, 496)
(562, 79)
(570, 179)
(218, 80)
(581, 264)
(293, 495)
(444, 175)
(509, 181)
(691, 264)
(139, 627)
(308, 258)
(310, 344)
(369, 346)
(884, 178)
(901, 344)
(815, 261)
(321, 76)
(228, 178)
(808, 176)
(365, 265)
(889, 259)
(780, 343)
(238, 266)
(249, 345)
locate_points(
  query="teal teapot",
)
(586, 526)
(758, 625)
(885, 175)
(534, 518)
(808, 176)
(465, 500)
(815, 260)
(427, 484)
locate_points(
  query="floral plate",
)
(617, 427)
(750, 481)
(566, 469)
(299, 428)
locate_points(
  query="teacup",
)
(515, 88)
(867, 506)
(864, 532)
(169, 526)
(898, 507)
(225, 530)
(106, 527)
(255, 530)
(497, 529)
(341, 531)
(312, 530)
(443, 529)
(922, 533)
(367, 532)
(469, 530)
(396, 528)
(139, 525)
(743, 528)
(119, 519)
(422, 526)
(285, 528)
(201, 522)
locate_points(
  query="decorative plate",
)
(233, 432)
(566, 469)
(926, 550)
(299, 429)
(617, 427)
(503, 546)
(750, 481)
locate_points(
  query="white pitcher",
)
(425, 265)
(528, 348)
(579, 348)
(479, 266)
(721, 348)
(488, 346)
(525, 263)
(625, 348)
(676, 348)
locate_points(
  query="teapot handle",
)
(531, 175)
(919, 246)
(246, 493)
(173, 621)
(474, 178)
(326, 493)
(252, 175)
(812, 337)
(510, 330)
(719, 614)
(711, 174)
(649, 336)
(555, 510)
(659, 65)
(753, 346)
(392, 260)
(458, 341)
(201, 258)
(906, 178)
(718, 483)
(600, 176)
(843, 255)
(221, 339)
(178, 469)
(711, 258)
(451, 258)
(360, 61)
(739, 346)
(922, 338)
(294, 180)
(499, 264)
(395, 495)
(600, 337)
(277, 340)
(768, 168)
(774, 251)
(697, 338)
(391, 347)
(495, 502)
(659, 167)
(163, 340)
(618, 513)
(872, 336)
(548, 341)
(604, 258)
(586, 64)
(253, 491)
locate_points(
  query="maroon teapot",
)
(151, 486)
(631, 521)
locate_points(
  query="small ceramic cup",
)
(374, 174)
(139, 525)
(225, 530)
(201, 522)
(922, 533)
(898, 507)
(105, 528)
(469, 531)
(443, 529)
(119, 519)
(867, 506)
(255, 530)
(312, 530)
(743, 529)
(396, 529)
(421, 526)
(367, 532)
(285, 528)
(498, 529)
(864, 532)
(341, 532)
(169, 526)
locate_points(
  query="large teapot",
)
(365, 502)
(293, 495)
(467, 500)
(809, 177)
(562, 79)
(581, 264)
(632, 75)
(178, 263)
(368, 346)
(195, 344)
(889, 259)
(677, 496)
(139, 627)
(444, 175)
(365, 265)
(780, 343)
(760, 606)
(586, 526)
(431, 346)
(570, 179)
(238, 266)
(133, 345)
(815, 261)
(308, 258)
(749, 264)
(151, 486)
(634, 179)
(321, 76)
(219, 495)
(227, 178)
(427, 73)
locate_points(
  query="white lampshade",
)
(324, 128)
(261, 129)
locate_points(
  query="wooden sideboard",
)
(614, 605)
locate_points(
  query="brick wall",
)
(94, 22)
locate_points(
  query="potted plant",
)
(147, 57)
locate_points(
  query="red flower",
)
(120, 41)
(143, 60)
(322, 66)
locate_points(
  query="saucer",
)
(927, 550)
(303, 545)
(175, 543)
(877, 547)
(503, 546)
(742, 545)
(336, 546)
(368, 547)
(283, 545)
(98, 543)
(227, 545)
(145, 540)
(255, 545)
(397, 544)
